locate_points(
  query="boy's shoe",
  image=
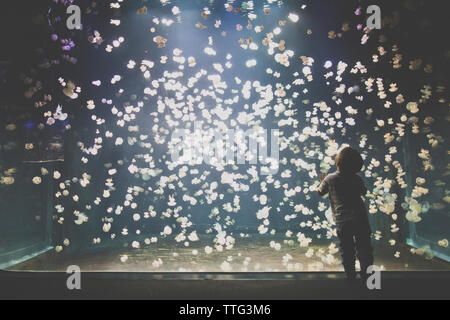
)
(364, 277)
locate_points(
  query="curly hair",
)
(349, 161)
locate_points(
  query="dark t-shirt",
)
(346, 193)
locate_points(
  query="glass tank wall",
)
(123, 142)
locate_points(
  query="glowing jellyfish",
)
(294, 17)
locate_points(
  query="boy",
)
(346, 189)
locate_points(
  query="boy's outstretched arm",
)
(363, 188)
(323, 188)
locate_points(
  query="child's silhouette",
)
(346, 188)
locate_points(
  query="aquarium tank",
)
(190, 136)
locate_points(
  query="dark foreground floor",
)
(301, 286)
(250, 255)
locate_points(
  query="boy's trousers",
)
(355, 240)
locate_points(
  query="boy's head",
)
(349, 161)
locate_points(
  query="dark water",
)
(118, 196)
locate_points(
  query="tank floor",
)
(250, 256)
